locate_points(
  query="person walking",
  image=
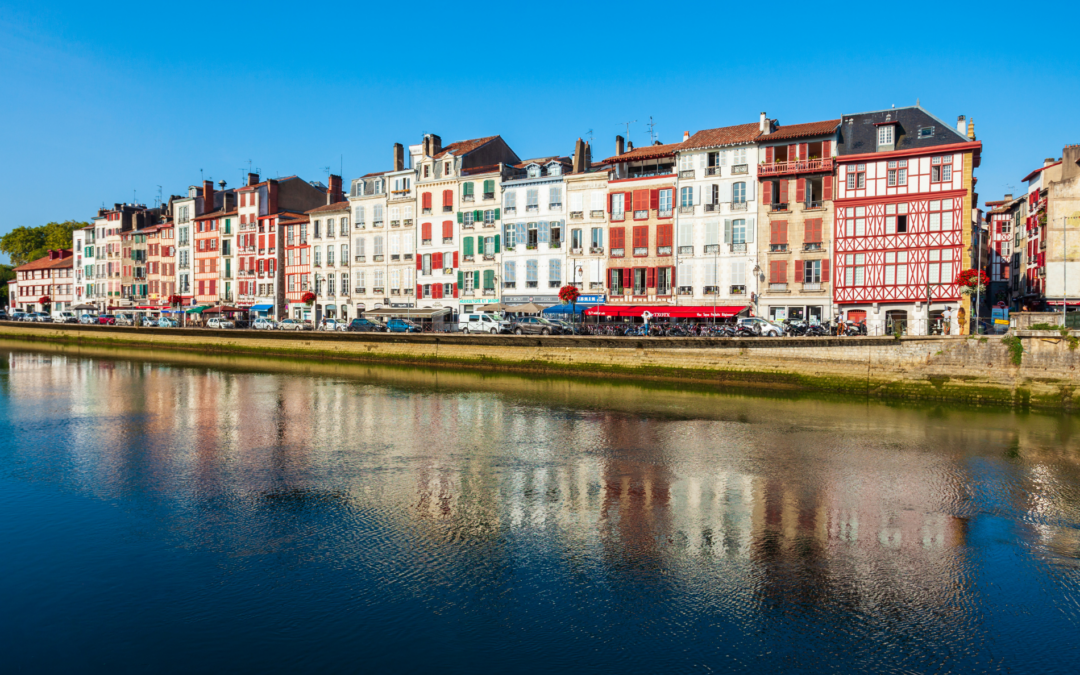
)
(946, 320)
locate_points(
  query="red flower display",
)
(308, 298)
(971, 280)
(569, 294)
(44, 300)
(175, 300)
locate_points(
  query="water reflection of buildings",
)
(730, 504)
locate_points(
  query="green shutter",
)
(489, 186)
(478, 216)
(459, 216)
(460, 279)
(496, 243)
(468, 245)
(476, 278)
(489, 279)
(498, 214)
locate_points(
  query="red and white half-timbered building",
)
(1002, 221)
(903, 219)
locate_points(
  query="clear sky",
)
(104, 102)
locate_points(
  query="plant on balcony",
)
(175, 299)
(971, 281)
(308, 298)
(44, 300)
(568, 295)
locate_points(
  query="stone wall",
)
(975, 370)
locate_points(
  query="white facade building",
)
(534, 232)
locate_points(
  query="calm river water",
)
(195, 514)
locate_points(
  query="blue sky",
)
(104, 102)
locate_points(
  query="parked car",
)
(762, 326)
(41, 317)
(535, 325)
(333, 324)
(3, 315)
(263, 324)
(482, 323)
(107, 320)
(220, 324)
(125, 319)
(87, 319)
(65, 317)
(366, 326)
(17, 315)
(403, 326)
(293, 324)
(166, 322)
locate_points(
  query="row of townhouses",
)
(1034, 257)
(868, 217)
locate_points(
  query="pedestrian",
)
(946, 320)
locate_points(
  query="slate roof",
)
(460, 148)
(712, 138)
(858, 132)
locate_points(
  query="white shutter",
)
(704, 159)
(725, 193)
(750, 230)
(751, 190)
(697, 195)
(727, 231)
(686, 234)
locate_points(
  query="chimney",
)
(587, 162)
(1070, 162)
(208, 196)
(761, 124)
(685, 136)
(961, 125)
(971, 129)
(619, 146)
(333, 192)
(436, 144)
(579, 157)
(1008, 197)
(399, 157)
(253, 179)
(1048, 161)
(629, 146)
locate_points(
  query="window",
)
(531, 274)
(811, 272)
(896, 218)
(555, 197)
(926, 132)
(554, 273)
(738, 231)
(885, 135)
(663, 281)
(639, 280)
(467, 191)
(855, 222)
(596, 239)
(329, 227)
(641, 240)
(854, 269)
(533, 236)
(856, 177)
(330, 255)
(686, 197)
(738, 193)
(897, 173)
(615, 281)
(425, 264)
(510, 274)
(532, 200)
(378, 217)
(575, 239)
(618, 242)
(941, 265)
(941, 215)
(489, 189)
(665, 203)
(489, 245)
(597, 201)
(941, 169)
(510, 201)
(618, 203)
(489, 216)
(318, 256)
(896, 269)
(378, 246)
(468, 218)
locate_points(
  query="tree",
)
(24, 244)
(7, 273)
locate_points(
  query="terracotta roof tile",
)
(711, 138)
(645, 152)
(216, 214)
(1038, 171)
(464, 147)
(374, 173)
(331, 208)
(480, 169)
(44, 263)
(801, 131)
(292, 219)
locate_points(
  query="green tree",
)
(7, 273)
(24, 244)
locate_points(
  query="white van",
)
(482, 323)
(65, 317)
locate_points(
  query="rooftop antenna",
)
(589, 133)
(327, 170)
(652, 130)
(628, 127)
(341, 165)
(159, 200)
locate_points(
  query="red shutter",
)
(650, 277)
(455, 284)
(641, 199)
(654, 200)
(436, 261)
(800, 190)
(447, 197)
(826, 149)
(610, 277)
(618, 237)
(803, 151)
(825, 271)
(455, 266)
(419, 291)
(448, 229)
(628, 277)
(769, 155)
(663, 235)
(766, 193)
(419, 261)
(609, 198)
(826, 188)
(783, 271)
(427, 201)
(425, 231)
(674, 286)
(791, 150)
(798, 271)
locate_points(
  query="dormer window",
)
(533, 170)
(554, 170)
(446, 168)
(885, 135)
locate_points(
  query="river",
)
(183, 513)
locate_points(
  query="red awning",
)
(669, 311)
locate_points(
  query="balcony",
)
(812, 287)
(489, 195)
(509, 210)
(489, 292)
(710, 290)
(360, 291)
(425, 242)
(663, 250)
(798, 166)
(468, 226)
(740, 169)
(487, 256)
(778, 248)
(709, 208)
(396, 195)
(377, 223)
(738, 206)
(554, 206)
(596, 250)
(596, 285)
(682, 209)
(686, 250)
(395, 257)
(575, 251)
(378, 291)
(555, 244)
(395, 223)
(812, 246)
(686, 290)
(447, 208)
(448, 240)
(469, 258)
(408, 256)
(778, 288)
(577, 215)
(395, 291)
(359, 226)
(409, 290)
(468, 198)
(426, 211)
(814, 204)
(407, 222)
(738, 248)
(712, 171)
(618, 252)
(776, 207)
(378, 258)
(360, 258)
(737, 290)
(532, 284)
(532, 208)
(596, 213)
(641, 251)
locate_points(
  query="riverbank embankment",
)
(1036, 369)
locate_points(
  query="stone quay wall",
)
(954, 369)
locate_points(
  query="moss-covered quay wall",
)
(1033, 369)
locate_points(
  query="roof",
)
(266, 182)
(464, 147)
(220, 213)
(1004, 206)
(375, 173)
(543, 161)
(480, 169)
(646, 152)
(44, 263)
(293, 220)
(804, 130)
(858, 132)
(331, 208)
(711, 138)
(1038, 171)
